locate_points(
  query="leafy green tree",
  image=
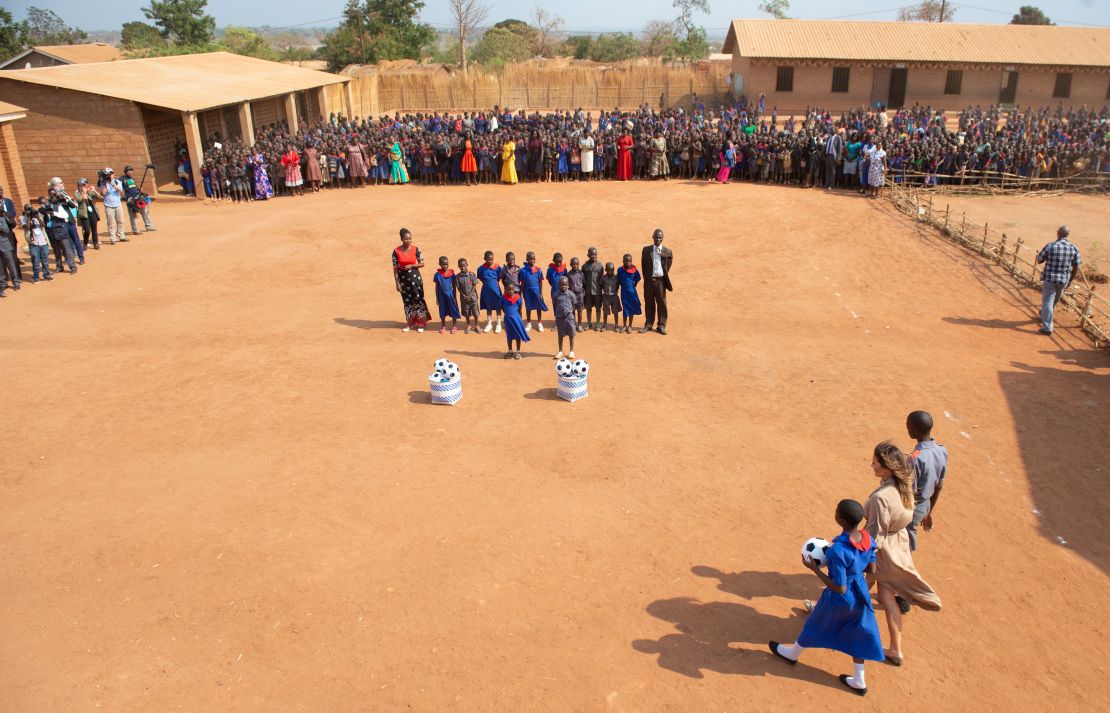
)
(578, 46)
(1030, 15)
(13, 35)
(45, 27)
(615, 46)
(500, 46)
(241, 40)
(378, 30)
(139, 35)
(693, 46)
(659, 38)
(692, 43)
(775, 8)
(184, 22)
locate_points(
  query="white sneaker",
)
(497, 329)
(539, 327)
(570, 356)
(489, 326)
(558, 355)
(419, 330)
(405, 329)
(527, 326)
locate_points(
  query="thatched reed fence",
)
(536, 86)
(1016, 258)
(993, 182)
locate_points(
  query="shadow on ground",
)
(1060, 416)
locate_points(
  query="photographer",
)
(7, 252)
(138, 203)
(112, 190)
(56, 213)
(58, 189)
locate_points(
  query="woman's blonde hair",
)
(892, 458)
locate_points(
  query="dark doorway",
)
(897, 97)
(1009, 88)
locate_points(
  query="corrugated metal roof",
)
(80, 54)
(947, 42)
(191, 82)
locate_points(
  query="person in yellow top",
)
(508, 161)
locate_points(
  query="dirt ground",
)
(225, 488)
(1035, 219)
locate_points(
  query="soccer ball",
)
(814, 550)
(563, 368)
(452, 365)
(451, 372)
(580, 367)
(442, 363)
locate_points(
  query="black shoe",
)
(850, 687)
(662, 330)
(96, 247)
(48, 277)
(16, 287)
(646, 329)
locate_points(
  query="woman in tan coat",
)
(889, 510)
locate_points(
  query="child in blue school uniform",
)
(489, 274)
(531, 279)
(629, 277)
(843, 619)
(555, 270)
(445, 296)
(514, 327)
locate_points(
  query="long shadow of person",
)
(749, 585)
(706, 632)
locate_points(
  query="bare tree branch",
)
(468, 15)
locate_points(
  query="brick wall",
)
(73, 134)
(924, 85)
(11, 167)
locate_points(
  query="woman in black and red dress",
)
(407, 261)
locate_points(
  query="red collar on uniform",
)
(446, 273)
(557, 269)
(629, 269)
(494, 266)
(864, 543)
(532, 268)
(512, 298)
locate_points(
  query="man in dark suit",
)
(655, 264)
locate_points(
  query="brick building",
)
(11, 166)
(83, 117)
(55, 55)
(846, 64)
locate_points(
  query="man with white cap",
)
(112, 190)
(1061, 264)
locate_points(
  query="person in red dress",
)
(469, 166)
(624, 157)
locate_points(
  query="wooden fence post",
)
(929, 214)
(946, 206)
(963, 229)
(1001, 248)
(1085, 316)
(1014, 263)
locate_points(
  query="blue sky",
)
(580, 15)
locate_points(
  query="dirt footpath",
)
(225, 489)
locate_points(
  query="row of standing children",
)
(594, 292)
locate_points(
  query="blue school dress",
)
(563, 165)
(846, 622)
(445, 294)
(514, 326)
(531, 286)
(490, 277)
(553, 275)
(629, 299)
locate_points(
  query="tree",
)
(659, 38)
(686, 8)
(468, 14)
(13, 35)
(501, 46)
(693, 46)
(241, 40)
(615, 46)
(139, 35)
(184, 22)
(45, 27)
(578, 46)
(692, 43)
(377, 30)
(928, 11)
(547, 26)
(775, 8)
(1030, 15)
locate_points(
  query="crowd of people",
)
(854, 149)
(51, 223)
(583, 296)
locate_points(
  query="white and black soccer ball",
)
(814, 550)
(451, 372)
(564, 368)
(435, 376)
(580, 367)
(442, 363)
(453, 365)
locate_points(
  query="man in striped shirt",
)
(1061, 263)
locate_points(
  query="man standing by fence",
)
(1061, 263)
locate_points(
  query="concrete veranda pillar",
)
(246, 123)
(291, 112)
(196, 149)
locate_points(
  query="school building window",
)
(1063, 86)
(954, 83)
(784, 82)
(840, 79)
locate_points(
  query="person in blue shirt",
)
(844, 618)
(629, 277)
(530, 279)
(489, 274)
(445, 296)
